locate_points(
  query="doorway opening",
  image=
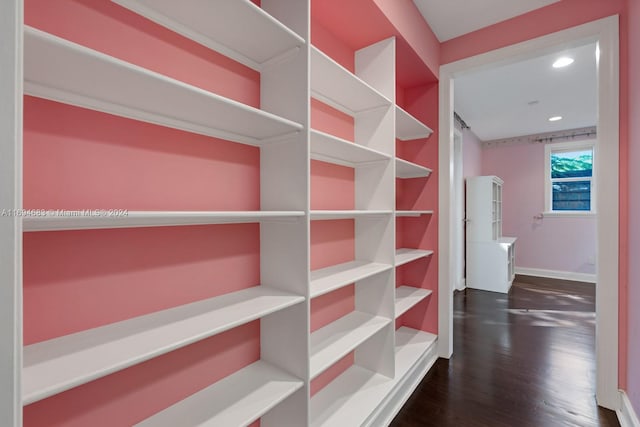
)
(604, 33)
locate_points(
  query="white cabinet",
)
(490, 256)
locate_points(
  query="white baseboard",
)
(461, 286)
(389, 408)
(555, 274)
(626, 415)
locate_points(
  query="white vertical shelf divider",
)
(284, 181)
(11, 199)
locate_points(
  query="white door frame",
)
(459, 211)
(605, 32)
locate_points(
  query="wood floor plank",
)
(526, 359)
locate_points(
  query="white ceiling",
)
(495, 102)
(452, 18)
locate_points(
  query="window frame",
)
(549, 149)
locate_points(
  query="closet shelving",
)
(406, 169)
(67, 72)
(407, 297)
(237, 400)
(59, 364)
(69, 221)
(406, 255)
(276, 388)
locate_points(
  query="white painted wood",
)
(334, 341)
(349, 399)
(11, 18)
(406, 169)
(336, 86)
(415, 354)
(488, 266)
(626, 414)
(329, 279)
(459, 212)
(606, 33)
(332, 149)
(96, 219)
(375, 239)
(63, 71)
(376, 129)
(375, 64)
(360, 397)
(375, 186)
(409, 128)
(407, 297)
(330, 215)
(236, 400)
(556, 274)
(215, 24)
(406, 255)
(413, 213)
(62, 363)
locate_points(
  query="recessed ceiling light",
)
(562, 62)
(555, 118)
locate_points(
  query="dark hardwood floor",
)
(526, 359)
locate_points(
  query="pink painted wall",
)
(552, 18)
(633, 377)
(471, 154)
(561, 244)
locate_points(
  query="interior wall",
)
(633, 377)
(552, 243)
(556, 17)
(471, 154)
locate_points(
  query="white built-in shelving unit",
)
(276, 389)
(490, 256)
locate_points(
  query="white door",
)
(458, 217)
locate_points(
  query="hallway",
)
(525, 360)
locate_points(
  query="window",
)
(569, 171)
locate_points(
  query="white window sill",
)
(569, 214)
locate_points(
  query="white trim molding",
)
(557, 274)
(605, 32)
(626, 414)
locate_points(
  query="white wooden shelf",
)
(407, 297)
(332, 149)
(63, 71)
(409, 128)
(334, 341)
(405, 170)
(328, 215)
(412, 213)
(357, 393)
(72, 220)
(336, 86)
(329, 279)
(237, 400)
(215, 24)
(350, 398)
(62, 363)
(406, 255)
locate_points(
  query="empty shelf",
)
(336, 86)
(95, 219)
(408, 127)
(405, 169)
(412, 213)
(329, 279)
(332, 149)
(334, 341)
(236, 400)
(214, 24)
(67, 72)
(407, 297)
(62, 363)
(327, 215)
(411, 345)
(405, 255)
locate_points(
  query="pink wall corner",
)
(559, 244)
(471, 154)
(555, 17)
(405, 16)
(633, 301)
